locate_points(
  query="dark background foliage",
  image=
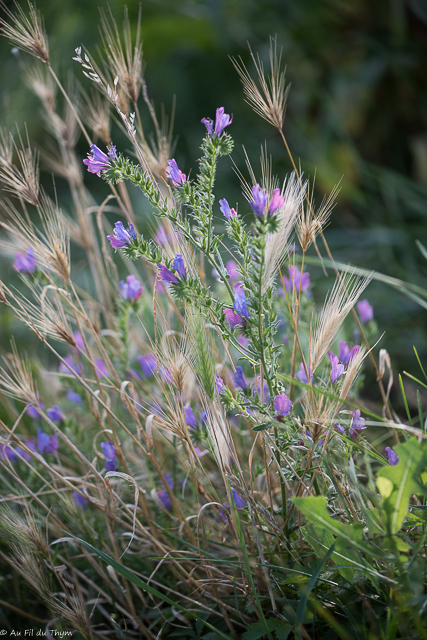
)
(357, 110)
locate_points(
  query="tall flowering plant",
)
(205, 462)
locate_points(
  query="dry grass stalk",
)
(338, 304)
(26, 33)
(22, 182)
(268, 97)
(311, 223)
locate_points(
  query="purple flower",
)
(262, 204)
(203, 416)
(239, 378)
(25, 262)
(97, 160)
(78, 339)
(226, 211)
(148, 364)
(131, 289)
(166, 375)
(74, 397)
(175, 174)
(79, 501)
(295, 279)
(353, 352)
(7, 453)
(337, 369)
(166, 275)
(163, 495)
(238, 500)
(339, 428)
(47, 444)
(101, 368)
(232, 318)
(282, 404)
(32, 411)
(219, 383)
(277, 201)
(392, 456)
(232, 270)
(162, 236)
(178, 265)
(357, 424)
(365, 310)
(70, 361)
(190, 418)
(260, 201)
(122, 237)
(55, 413)
(243, 341)
(240, 304)
(222, 120)
(109, 451)
(265, 393)
(301, 375)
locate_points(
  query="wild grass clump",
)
(195, 464)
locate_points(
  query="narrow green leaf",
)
(129, 575)
(405, 402)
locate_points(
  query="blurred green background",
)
(357, 110)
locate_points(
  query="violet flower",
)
(166, 275)
(238, 500)
(78, 339)
(97, 160)
(262, 204)
(219, 384)
(7, 453)
(294, 279)
(357, 424)
(282, 404)
(73, 366)
(122, 237)
(163, 494)
(148, 364)
(226, 211)
(55, 414)
(25, 262)
(240, 305)
(190, 418)
(232, 318)
(337, 369)
(131, 289)
(74, 397)
(179, 266)
(301, 375)
(166, 375)
(365, 310)
(232, 270)
(178, 178)
(222, 120)
(101, 368)
(392, 456)
(47, 444)
(79, 501)
(109, 451)
(339, 428)
(239, 378)
(32, 411)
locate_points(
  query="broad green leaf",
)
(405, 478)
(257, 630)
(321, 540)
(348, 535)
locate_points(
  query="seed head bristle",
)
(40, 81)
(338, 304)
(26, 32)
(96, 112)
(311, 223)
(268, 98)
(126, 63)
(17, 379)
(22, 182)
